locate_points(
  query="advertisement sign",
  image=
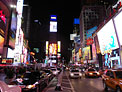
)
(7, 60)
(89, 38)
(97, 44)
(53, 17)
(90, 32)
(12, 32)
(10, 53)
(86, 53)
(2, 23)
(52, 49)
(1, 44)
(117, 21)
(76, 21)
(72, 36)
(53, 26)
(94, 52)
(107, 37)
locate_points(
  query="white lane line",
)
(70, 83)
(67, 88)
(65, 83)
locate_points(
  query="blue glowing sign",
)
(76, 21)
(53, 18)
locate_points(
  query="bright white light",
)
(118, 25)
(107, 37)
(13, 6)
(53, 26)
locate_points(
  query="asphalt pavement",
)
(55, 87)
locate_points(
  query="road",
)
(85, 84)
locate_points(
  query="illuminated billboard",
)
(1, 44)
(89, 38)
(53, 26)
(53, 17)
(86, 53)
(94, 55)
(107, 38)
(117, 21)
(59, 46)
(53, 49)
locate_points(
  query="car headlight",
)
(98, 73)
(30, 86)
(72, 74)
(90, 73)
(80, 74)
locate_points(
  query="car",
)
(55, 71)
(75, 74)
(91, 72)
(112, 78)
(31, 81)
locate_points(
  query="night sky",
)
(66, 11)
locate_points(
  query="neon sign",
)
(2, 16)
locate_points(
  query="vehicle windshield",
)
(91, 69)
(53, 69)
(74, 71)
(118, 74)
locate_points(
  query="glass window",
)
(118, 74)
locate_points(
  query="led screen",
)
(10, 53)
(86, 53)
(94, 52)
(107, 37)
(53, 26)
(12, 32)
(1, 44)
(118, 24)
(53, 48)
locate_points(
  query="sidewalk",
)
(65, 85)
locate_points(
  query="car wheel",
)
(105, 86)
(118, 89)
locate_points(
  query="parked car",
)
(75, 74)
(112, 79)
(91, 72)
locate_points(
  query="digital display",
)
(76, 21)
(117, 21)
(53, 17)
(53, 26)
(53, 48)
(1, 44)
(107, 37)
(86, 53)
(94, 52)
(12, 32)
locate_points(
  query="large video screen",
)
(118, 24)
(1, 44)
(107, 37)
(86, 53)
(94, 54)
(12, 32)
(53, 26)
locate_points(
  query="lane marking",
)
(70, 83)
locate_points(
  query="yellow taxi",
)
(91, 72)
(112, 78)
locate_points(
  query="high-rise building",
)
(91, 15)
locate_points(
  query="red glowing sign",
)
(2, 16)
